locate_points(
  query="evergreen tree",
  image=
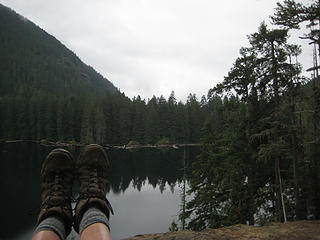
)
(139, 119)
(218, 182)
(87, 124)
(100, 125)
(290, 15)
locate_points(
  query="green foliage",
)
(112, 118)
(173, 227)
(132, 143)
(163, 140)
(219, 178)
(260, 147)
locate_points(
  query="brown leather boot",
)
(56, 187)
(93, 171)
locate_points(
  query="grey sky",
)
(151, 47)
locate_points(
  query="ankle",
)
(91, 216)
(53, 224)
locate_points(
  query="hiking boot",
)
(93, 171)
(56, 187)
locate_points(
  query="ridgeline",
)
(47, 92)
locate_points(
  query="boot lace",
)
(93, 183)
(58, 194)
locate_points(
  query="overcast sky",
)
(151, 47)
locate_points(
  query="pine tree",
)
(100, 126)
(87, 123)
(218, 182)
(243, 78)
(138, 122)
(271, 48)
(152, 123)
(290, 15)
(194, 118)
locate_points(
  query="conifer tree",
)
(243, 78)
(290, 14)
(100, 125)
(218, 181)
(87, 124)
(271, 49)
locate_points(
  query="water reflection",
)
(158, 167)
(20, 165)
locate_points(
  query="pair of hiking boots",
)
(57, 175)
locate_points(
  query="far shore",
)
(108, 146)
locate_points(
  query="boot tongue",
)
(55, 200)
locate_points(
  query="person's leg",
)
(91, 219)
(50, 226)
(55, 217)
(96, 231)
(46, 234)
(94, 225)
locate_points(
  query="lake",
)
(145, 188)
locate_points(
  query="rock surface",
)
(301, 230)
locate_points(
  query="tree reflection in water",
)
(157, 166)
(20, 165)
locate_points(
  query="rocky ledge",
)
(301, 230)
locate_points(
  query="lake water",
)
(145, 188)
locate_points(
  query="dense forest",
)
(260, 156)
(108, 119)
(47, 92)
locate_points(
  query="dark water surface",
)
(145, 188)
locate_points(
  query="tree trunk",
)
(183, 220)
(251, 207)
(315, 153)
(281, 195)
(251, 194)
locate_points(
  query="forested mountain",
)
(46, 92)
(32, 61)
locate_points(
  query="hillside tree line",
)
(109, 119)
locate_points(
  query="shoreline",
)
(107, 146)
(297, 230)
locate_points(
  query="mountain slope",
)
(32, 60)
(47, 93)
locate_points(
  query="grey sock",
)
(52, 224)
(91, 216)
